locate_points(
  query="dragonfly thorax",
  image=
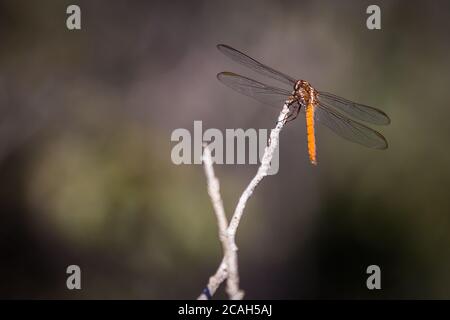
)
(304, 92)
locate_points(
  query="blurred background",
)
(86, 176)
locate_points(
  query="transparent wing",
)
(356, 110)
(269, 95)
(255, 65)
(349, 129)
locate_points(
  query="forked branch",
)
(228, 268)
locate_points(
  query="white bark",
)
(228, 268)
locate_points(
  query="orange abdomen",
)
(310, 133)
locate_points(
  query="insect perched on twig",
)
(319, 106)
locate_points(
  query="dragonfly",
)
(320, 107)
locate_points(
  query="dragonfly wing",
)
(349, 129)
(356, 110)
(256, 66)
(269, 95)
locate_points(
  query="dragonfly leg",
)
(294, 110)
(286, 119)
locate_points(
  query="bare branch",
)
(233, 277)
(215, 281)
(228, 268)
(214, 194)
(229, 254)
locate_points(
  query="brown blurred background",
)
(85, 170)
